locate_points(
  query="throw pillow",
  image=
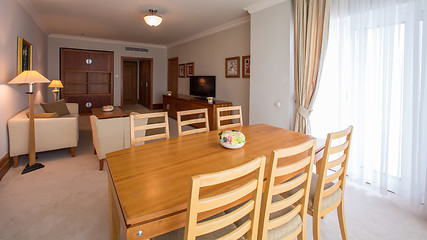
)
(59, 107)
(44, 115)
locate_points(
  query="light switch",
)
(277, 104)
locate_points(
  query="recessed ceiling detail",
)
(121, 20)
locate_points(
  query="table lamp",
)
(29, 78)
(56, 84)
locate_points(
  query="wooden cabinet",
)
(87, 77)
(172, 104)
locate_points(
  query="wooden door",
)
(173, 75)
(145, 82)
(130, 82)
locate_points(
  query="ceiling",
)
(123, 19)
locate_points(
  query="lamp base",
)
(31, 168)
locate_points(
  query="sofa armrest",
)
(110, 135)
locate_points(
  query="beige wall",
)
(15, 22)
(157, 53)
(209, 54)
(272, 80)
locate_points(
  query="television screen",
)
(202, 86)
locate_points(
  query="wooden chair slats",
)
(333, 176)
(225, 114)
(280, 171)
(287, 202)
(300, 198)
(254, 175)
(332, 189)
(291, 184)
(193, 121)
(136, 128)
(339, 148)
(204, 120)
(150, 126)
(284, 218)
(223, 221)
(335, 143)
(227, 175)
(337, 162)
(227, 198)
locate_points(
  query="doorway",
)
(173, 75)
(137, 81)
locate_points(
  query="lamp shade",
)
(29, 77)
(153, 20)
(56, 84)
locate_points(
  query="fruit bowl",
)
(108, 108)
(232, 139)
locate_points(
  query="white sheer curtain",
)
(374, 78)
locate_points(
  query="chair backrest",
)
(303, 156)
(193, 116)
(335, 158)
(134, 128)
(225, 117)
(253, 175)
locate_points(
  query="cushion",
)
(326, 201)
(59, 107)
(44, 115)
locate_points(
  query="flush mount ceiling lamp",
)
(153, 19)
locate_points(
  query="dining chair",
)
(195, 119)
(284, 217)
(244, 181)
(327, 190)
(225, 117)
(155, 127)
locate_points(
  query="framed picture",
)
(190, 69)
(25, 54)
(232, 67)
(246, 66)
(181, 68)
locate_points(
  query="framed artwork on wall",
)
(181, 68)
(232, 67)
(246, 66)
(25, 54)
(190, 69)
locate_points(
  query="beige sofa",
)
(111, 134)
(50, 133)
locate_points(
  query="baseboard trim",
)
(157, 106)
(5, 164)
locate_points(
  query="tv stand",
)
(201, 98)
(174, 103)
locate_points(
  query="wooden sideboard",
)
(172, 104)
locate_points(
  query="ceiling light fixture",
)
(152, 19)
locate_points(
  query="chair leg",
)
(15, 161)
(101, 164)
(73, 151)
(341, 220)
(316, 226)
(94, 150)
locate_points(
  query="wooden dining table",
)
(149, 184)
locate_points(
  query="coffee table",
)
(117, 112)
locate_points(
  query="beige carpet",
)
(68, 200)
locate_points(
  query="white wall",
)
(209, 54)
(157, 53)
(272, 66)
(15, 22)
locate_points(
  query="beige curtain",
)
(311, 26)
